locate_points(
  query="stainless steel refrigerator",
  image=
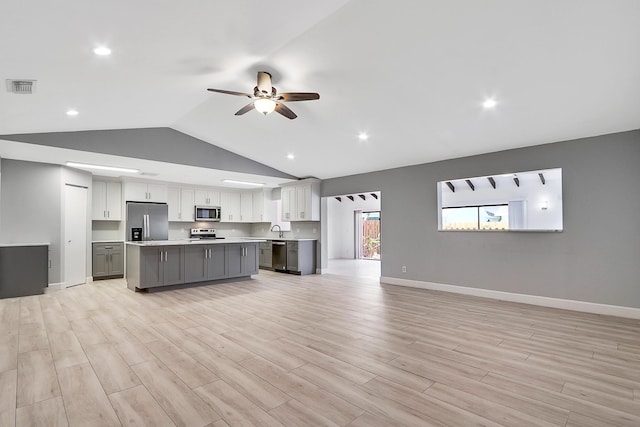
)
(151, 218)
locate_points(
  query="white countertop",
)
(194, 242)
(107, 241)
(10, 245)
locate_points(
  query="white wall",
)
(340, 223)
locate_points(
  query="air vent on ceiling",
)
(21, 87)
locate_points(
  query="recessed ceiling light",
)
(72, 113)
(290, 156)
(102, 51)
(489, 103)
(362, 136)
(233, 181)
(100, 167)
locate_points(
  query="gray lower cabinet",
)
(108, 260)
(161, 266)
(243, 259)
(301, 257)
(266, 255)
(205, 262)
(24, 270)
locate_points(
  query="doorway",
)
(75, 235)
(367, 234)
(351, 240)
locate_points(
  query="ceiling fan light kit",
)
(264, 105)
(266, 98)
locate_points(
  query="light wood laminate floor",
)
(310, 351)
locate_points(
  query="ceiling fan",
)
(266, 99)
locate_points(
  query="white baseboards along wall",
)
(565, 304)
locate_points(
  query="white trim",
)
(57, 286)
(89, 279)
(565, 304)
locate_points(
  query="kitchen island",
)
(153, 264)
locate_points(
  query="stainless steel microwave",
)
(208, 213)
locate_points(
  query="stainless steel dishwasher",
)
(279, 254)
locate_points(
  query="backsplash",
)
(107, 230)
(299, 230)
(180, 230)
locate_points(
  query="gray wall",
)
(595, 259)
(31, 209)
(160, 144)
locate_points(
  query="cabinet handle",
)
(210, 254)
(49, 263)
(108, 214)
(104, 214)
(166, 256)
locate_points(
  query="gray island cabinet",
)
(155, 264)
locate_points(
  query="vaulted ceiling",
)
(411, 74)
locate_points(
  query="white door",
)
(75, 235)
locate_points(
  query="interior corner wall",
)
(595, 258)
(31, 207)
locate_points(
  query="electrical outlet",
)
(404, 268)
(297, 230)
(315, 231)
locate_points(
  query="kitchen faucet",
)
(280, 232)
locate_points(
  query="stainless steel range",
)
(204, 233)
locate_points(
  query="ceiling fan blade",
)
(264, 82)
(245, 109)
(285, 111)
(298, 96)
(230, 92)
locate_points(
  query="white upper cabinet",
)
(230, 206)
(288, 196)
(145, 192)
(246, 206)
(173, 200)
(181, 204)
(107, 201)
(263, 206)
(207, 197)
(301, 201)
(187, 205)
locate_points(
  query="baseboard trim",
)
(565, 304)
(56, 286)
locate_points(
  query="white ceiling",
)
(412, 74)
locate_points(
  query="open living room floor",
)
(310, 350)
